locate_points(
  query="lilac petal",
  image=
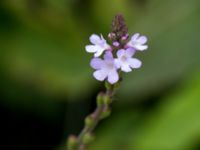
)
(142, 39)
(140, 47)
(108, 55)
(113, 76)
(120, 53)
(126, 68)
(100, 75)
(130, 52)
(96, 63)
(135, 36)
(134, 63)
(95, 39)
(91, 48)
(98, 52)
(117, 63)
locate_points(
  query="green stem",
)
(102, 111)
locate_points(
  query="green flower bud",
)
(105, 113)
(106, 99)
(89, 121)
(87, 138)
(72, 143)
(100, 100)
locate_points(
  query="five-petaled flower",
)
(108, 68)
(125, 60)
(105, 68)
(99, 45)
(138, 42)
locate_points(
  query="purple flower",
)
(125, 60)
(105, 68)
(138, 42)
(99, 45)
(116, 44)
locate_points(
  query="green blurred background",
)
(47, 86)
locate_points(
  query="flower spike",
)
(109, 62)
(108, 67)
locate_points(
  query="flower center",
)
(109, 65)
(123, 58)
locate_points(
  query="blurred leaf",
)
(49, 42)
(48, 64)
(116, 133)
(172, 28)
(103, 11)
(173, 125)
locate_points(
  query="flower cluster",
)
(118, 56)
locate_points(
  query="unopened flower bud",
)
(105, 113)
(72, 142)
(116, 44)
(87, 138)
(111, 35)
(89, 121)
(125, 37)
(100, 100)
(106, 99)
